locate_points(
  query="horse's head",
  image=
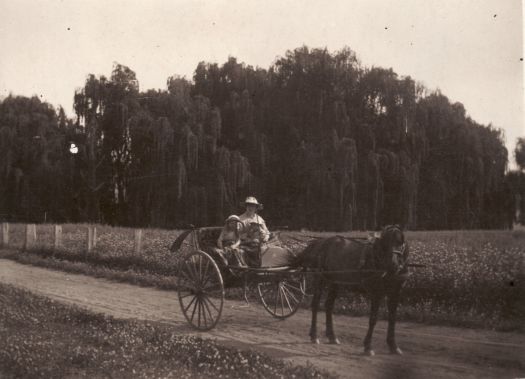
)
(394, 249)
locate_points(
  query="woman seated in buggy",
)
(257, 246)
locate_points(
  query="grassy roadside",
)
(355, 305)
(41, 338)
(130, 274)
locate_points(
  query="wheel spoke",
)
(290, 293)
(185, 274)
(294, 287)
(189, 269)
(206, 281)
(200, 290)
(204, 313)
(199, 312)
(281, 296)
(207, 309)
(281, 293)
(286, 298)
(276, 301)
(192, 272)
(194, 308)
(200, 268)
(268, 288)
(211, 303)
(213, 288)
(185, 287)
(190, 303)
(185, 284)
(194, 266)
(205, 275)
(211, 281)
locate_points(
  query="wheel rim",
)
(201, 290)
(282, 298)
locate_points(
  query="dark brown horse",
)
(377, 266)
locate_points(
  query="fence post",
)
(5, 234)
(138, 241)
(91, 238)
(30, 239)
(58, 237)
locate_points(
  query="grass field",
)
(41, 338)
(471, 278)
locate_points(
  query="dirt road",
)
(430, 351)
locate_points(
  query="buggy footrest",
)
(265, 269)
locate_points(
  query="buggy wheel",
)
(201, 290)
(281, 297)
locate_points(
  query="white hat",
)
(253, 200)
(233, 218)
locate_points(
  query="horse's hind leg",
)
(374, 308)
(318, 290)
(329, 309)
(392, 302)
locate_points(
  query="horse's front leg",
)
(318, 290)
(329, 308)
(374, 309)
(392, 302)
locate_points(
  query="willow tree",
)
(519, 153)
(120, 106)
(89, 105)
(32, 161)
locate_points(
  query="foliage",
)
(515, 181)
(32, 156)
(42, 338)
(472, 278)
(519, 153)
(325, 142)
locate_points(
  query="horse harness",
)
(367, 254)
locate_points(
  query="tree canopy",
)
(325, 142)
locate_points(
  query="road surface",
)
(430, 351)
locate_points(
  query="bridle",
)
(399, 250)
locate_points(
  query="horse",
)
(378, 265)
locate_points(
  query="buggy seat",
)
(271, 255)
(207, 238)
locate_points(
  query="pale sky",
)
(469, 49)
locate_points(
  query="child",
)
(251, 244)
(229, 240)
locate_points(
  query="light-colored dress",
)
(247, 221)
(254, 235)
(228, 238)
(229, 242)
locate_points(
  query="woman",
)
(250, 217)
(254, 232)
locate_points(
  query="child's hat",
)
(233, 218)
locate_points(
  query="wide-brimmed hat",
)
(233, 218)
(253, 200)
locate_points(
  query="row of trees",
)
(515, 181)
(324, 142)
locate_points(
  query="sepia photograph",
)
(262, 189)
